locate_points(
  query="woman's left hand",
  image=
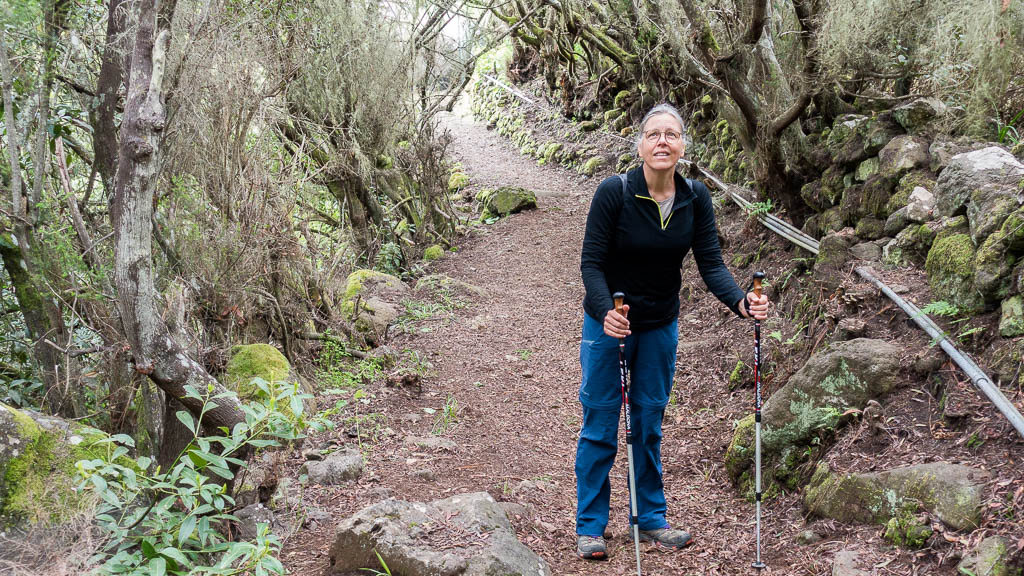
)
(755, 306)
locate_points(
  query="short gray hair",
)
(664, 108)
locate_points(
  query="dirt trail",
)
(510, 361)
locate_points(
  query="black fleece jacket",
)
(627, 248)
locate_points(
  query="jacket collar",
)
(684, 188)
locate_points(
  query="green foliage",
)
(760, 208)
(171, 521)
(1008, 132)
(383, 564)
(960, 319)
(390, 259)
(339, 369)
(446, 419)
(964, 52)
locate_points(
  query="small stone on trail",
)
(317, 516)
(527, 374)
(807, 537)
(345, 464)
(845, 564)
(412, 418)
(312, 454)
(431, 443)
(425, 474)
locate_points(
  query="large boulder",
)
(903, 154)
(841, 378)
(373, 300)
(38, 478)
(950, 492)
(976, 175)
(466, 535)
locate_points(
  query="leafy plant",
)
(447, 417)
(22, 393)
(172, 521)
(386, 572)
(760, 208)
(1009, 130)
(942, 308)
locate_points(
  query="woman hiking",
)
(640, 226)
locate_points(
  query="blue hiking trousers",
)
(651, 359)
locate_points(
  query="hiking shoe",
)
(665, 537)
(591, 547)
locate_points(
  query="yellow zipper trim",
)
(664, 222)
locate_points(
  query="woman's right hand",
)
(617, 325)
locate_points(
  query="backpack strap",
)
(624, 193)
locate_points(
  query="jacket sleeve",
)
(597, 240)
(708, 254)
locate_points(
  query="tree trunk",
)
(101, 117)
(153, 350)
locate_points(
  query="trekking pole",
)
(618, 297)
(757, 564)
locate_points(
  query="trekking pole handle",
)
(618, 298)
(758, 277)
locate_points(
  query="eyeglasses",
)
(652, 136)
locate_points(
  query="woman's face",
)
(655, 149)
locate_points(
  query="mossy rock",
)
(951, 492)
(1011, 320)
(950, 268)
(592, 165)
(622, 99)
(624, 162)
(988, 210)
(814, 401)
(38, 477)
(611, 115)
(993, 265)
(433, 252)
(249, 361)
(906, 185)
(509, 200)
(906, 530)
(552, 153)
(379, 297)
(993, 556)
(844, 128)
(588, 126)
(869, 228)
